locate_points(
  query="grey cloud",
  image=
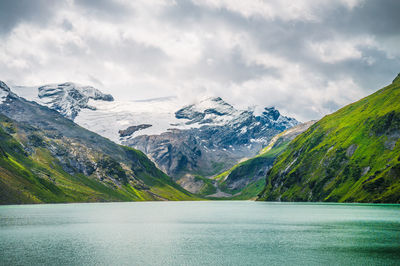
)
(228, 66)
(135, 55)
(378, 17)
(369, 76)
(105, 9)
(67, 25)
(12, 12)
(289, 40)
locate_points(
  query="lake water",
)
(200, 233)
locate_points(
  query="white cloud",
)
(334, 50)
(308, 10)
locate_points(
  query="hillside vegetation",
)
(352, 155)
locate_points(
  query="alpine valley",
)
(192, 143)
(158, 150)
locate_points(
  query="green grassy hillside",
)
(352, 155)
(246, 179)
(30, 172)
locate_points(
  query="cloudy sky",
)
(307, 58)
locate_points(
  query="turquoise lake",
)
(200, 233)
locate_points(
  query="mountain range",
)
(198, 140)
(205, 150)
(45, 157)
(221, 137)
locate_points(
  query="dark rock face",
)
(4, 86)
(271, 113)
(224, 136)
(132, 129)
(69, 98)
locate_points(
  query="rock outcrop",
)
(69, 98)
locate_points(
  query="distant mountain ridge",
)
(221, 136)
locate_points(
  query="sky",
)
(307, 58)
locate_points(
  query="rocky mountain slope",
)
(219, 137)
(45, 157)
(246, 179)
(352, 155)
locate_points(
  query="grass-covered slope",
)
(39, 178)
(246, 179)
(34, 170)
(352, 155)
(45, 157)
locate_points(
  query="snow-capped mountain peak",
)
(67, 98)
(214, 104)
(211, 110)
(123, 120)
(210, 132)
